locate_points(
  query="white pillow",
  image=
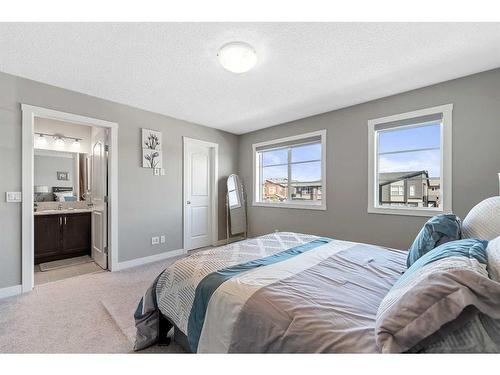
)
(493, 251)
(483, 221)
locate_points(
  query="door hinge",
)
(106, 199)
(106, 147)
(105, 249)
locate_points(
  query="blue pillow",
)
(438, 230)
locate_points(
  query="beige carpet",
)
(91, 313)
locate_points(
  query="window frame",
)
(257, 170)
(446, 162)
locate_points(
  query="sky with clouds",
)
(390, 142)
(423, 137)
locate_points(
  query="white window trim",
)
(320, 206)
(446, 163)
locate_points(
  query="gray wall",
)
(148, 205)
(476, 162)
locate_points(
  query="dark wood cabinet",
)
(62, 236)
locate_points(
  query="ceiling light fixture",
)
(237, 57)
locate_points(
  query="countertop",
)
(65, 211)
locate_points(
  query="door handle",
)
(188, 202)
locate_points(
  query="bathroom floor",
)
(65, 273)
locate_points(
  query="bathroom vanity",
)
(61, 234)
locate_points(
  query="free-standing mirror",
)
(236, 208)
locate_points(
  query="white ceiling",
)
(303, 68)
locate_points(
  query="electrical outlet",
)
(156, 171)
(162, 239)
(155, 240)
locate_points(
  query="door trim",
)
(29, 113)
(214, 175)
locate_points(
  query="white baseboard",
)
(150, 259)
(11, 291)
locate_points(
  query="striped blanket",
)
(283, 292)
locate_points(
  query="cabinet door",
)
(76, 234)
(47, 237)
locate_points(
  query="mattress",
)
(283, 292)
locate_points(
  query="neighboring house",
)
(413, 188)
(277, 190)
(306, 190)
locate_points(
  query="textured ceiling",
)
(303, 68)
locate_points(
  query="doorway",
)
(74, 218)
(200, 193)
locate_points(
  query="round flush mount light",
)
(237, 57)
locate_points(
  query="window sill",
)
(425, 212)
(321, 207)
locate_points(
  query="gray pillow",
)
(483, 220)
(493, 252)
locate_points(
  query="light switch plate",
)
(163, 171)
(162, 239)
(13, 196)
(155, 240)
(156, 171)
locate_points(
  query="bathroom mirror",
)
(236, 207)
(60, 176)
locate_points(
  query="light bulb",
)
(59, 142)
(41, 141)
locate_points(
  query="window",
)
(290, 172)
(410, 163)
(232, 193)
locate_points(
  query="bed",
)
(283, 292)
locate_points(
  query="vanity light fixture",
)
(59, 140)
(237, 57)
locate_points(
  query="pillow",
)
(436, 231)
(434, 291)
(60, 197)
(483, 221)
(493, 251)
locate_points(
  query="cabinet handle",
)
(65, 219)
(60, 220)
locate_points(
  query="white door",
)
(197, 195)
(99, 194)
